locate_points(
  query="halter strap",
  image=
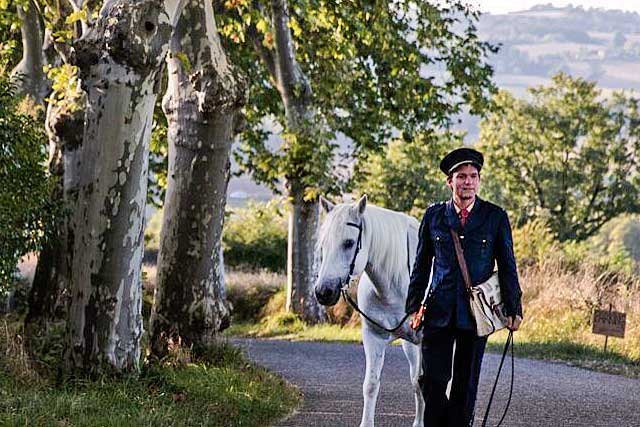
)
(355, 253)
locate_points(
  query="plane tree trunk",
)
(120, 61)
(295, 91)
(202, 101)
(64, 128)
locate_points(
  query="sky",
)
(504, 6)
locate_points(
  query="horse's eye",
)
(348, 244)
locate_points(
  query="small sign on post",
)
(609, 323)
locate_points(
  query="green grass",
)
(290, 327)
(567, 339)
(220, 388)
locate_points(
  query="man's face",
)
(464, 182)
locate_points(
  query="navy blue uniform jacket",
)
(486, 241)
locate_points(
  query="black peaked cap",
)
(459, 157)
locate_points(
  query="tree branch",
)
(76, 5)
(265, 54)
(292, 84)
(28, 73)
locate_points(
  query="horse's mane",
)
(387, 230)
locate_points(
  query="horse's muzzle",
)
(327, 295)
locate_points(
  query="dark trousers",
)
(437, 350)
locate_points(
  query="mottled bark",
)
(301, 265)
(203, 97)
(64, 129)
(295, 92)
(120, 60)
(29, 74)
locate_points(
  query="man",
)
(485, 235)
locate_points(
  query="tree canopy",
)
(405, 176)
(375, 68)
(567, 155)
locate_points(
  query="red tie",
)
(464, 214)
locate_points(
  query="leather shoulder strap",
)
(461, 261)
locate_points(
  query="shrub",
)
(255, 237)
(250, 293)
(25, 206)
(281, 323)
(620, 240)
(534, 242)
(559, 301)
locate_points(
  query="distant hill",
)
(596, 44)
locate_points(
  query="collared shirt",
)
(458, 209)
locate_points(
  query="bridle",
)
(344, 289)
(355, 255)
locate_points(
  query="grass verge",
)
(295, 331)
(569, 343)
(218, 389)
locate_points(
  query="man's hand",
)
(416, 318)
(513, 322)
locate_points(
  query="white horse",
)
(380, 245)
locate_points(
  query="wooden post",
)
(606, 337)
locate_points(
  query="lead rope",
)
(504, 354)
(356, 308)
(344, 288)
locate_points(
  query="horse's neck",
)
(380, 279)
(383, 276)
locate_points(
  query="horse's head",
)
(338, 244)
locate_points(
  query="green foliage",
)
(255, 237)
(621, 232)
(152, 230)
(534, 242)
(566, 156)
(406, 176)
(280, 324)
(63, 21)
(158, 158)
(620, 236)
(370, 66)
(614, 261)
(65, 85)
(25, 207)
(306, 158)
(10, 46)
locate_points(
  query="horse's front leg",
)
(374, 349)
(414, 356)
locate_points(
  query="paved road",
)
(545, 394)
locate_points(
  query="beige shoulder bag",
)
(485, 299)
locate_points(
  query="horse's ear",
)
(362, 204)
(326, 204)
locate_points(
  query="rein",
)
(495, 384)
(344, 288)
